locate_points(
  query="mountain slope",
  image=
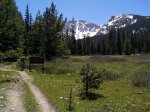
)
(134, 23)
(83, 28)
(123, 21)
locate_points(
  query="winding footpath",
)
(44, 105)
(14, 95)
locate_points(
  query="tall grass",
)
(141, 78)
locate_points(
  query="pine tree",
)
(119, 43)
(27, 30)
(145, 48)
(73, 42)
(35, 36)
(11, 27)
(91, 79)
(103, 47)
(127, 44)
(52, 26)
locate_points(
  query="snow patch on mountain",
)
(84, 28)
(120, 21)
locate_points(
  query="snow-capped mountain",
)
(121, 21)
(83, 28)
(135, 23)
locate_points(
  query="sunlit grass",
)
(117, 96)
(29, 100)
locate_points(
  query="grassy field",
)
(117, 95)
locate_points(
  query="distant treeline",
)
(47, 36)
(117, 42)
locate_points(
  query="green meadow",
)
(117, 93)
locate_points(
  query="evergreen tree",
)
(52, 26)
(103, 47)
(119, 43)
(91, 79)
(145, 48)
(73, 42)
(35, 36)
(27, 30)
(11, 27)
(79, 47)
(127, 44)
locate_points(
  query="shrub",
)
(2, 55)
(21, 63)
(12, 53)
(141, 78)
(91, 79)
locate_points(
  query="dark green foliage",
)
(72, 39)
(91, 79)
(54, 42)
(117, 42)
(44, 36)
(35, 41)
(27, 35)
(21, 63)
(11, 26)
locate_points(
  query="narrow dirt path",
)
(44, 105)
(14, 95)
(14, 101)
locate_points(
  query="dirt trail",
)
(14, 95)
(14, 99)
(44, 105)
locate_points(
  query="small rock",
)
(13, 109)
(1, 105)
(66, 98)
(61, 97)
(78, 102)
(139, 92)
(1, 97)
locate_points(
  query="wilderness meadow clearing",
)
(125, 88)
(118, 92)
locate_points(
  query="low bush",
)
(110, 75)
(21, 64)
(141, 78)
(2, 55)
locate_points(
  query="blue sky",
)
(97, 11)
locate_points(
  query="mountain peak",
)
(84, 28)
